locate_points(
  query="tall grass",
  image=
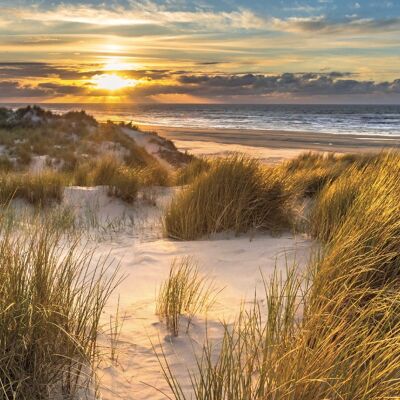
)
(124, 184)
(334, 333)
(122, 180)
(51, 300)
(185, 292)
(192, 170)
(116, 323)
(307, 174)
(236, 194)
(333, 204)
(301, 345)
(37, 188)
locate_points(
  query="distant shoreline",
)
(284, 144)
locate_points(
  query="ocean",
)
(351, 119)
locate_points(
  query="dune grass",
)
(36, 188)
(307, 174)
(333, 333)
(192, 170)
(333, 203)
(124, 184)
(122, 180)
(236, 194)
(184, 293)
(297, 343)
(51, 300)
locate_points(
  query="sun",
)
(112, 82)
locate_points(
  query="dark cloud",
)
(216, 85)
(15, 89)
(59, 89)
(27, 70)
(15, 70)
(300, 84)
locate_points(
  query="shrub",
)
(50, 306)
(185, 292)
(235, 195)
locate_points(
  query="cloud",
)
(9, 89)
(148, 18)
(60, 89)
(11, 70)
(321, 24)
(218, 86)
(138, 14)
(305, 84)
(30, 70)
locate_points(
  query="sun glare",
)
(112, 82)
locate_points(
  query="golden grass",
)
(123, 181)
(51, 300)
(124, 184)
(333, 333)
(236, 194)
(185, 292)
(192, 170)
(37, 188)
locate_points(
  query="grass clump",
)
(51, 301)
(154, 175)
(37, 188)
(236, 194)
(333, 203)
(192, 170)
(185, 292)
(123, 181)
(104, 170)
(124, 184)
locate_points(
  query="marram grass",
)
(334, 332)
(51, 300)
(236, 194)
(184, 293)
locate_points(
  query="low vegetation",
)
(43, 152)
(68, 139)
(184, 293)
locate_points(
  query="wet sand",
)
(272, 146)
(276, 139)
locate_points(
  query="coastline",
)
(270, 145)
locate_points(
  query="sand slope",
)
(144, 258)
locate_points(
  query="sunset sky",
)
(234, 51)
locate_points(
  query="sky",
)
(205, 51)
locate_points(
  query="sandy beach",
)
(269, 145)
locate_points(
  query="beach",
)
(269, 145)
